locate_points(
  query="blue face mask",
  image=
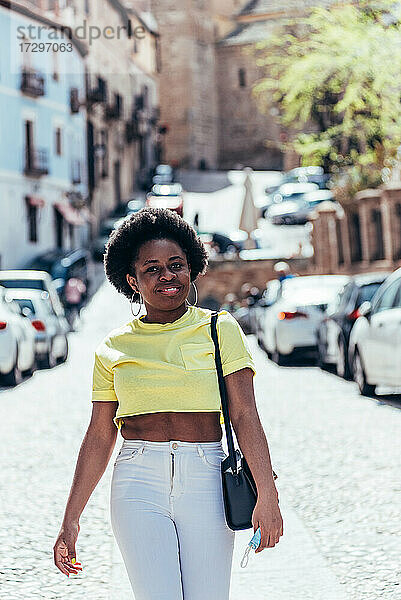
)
(253, 544)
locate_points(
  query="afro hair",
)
(123, 245)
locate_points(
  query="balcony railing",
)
(132, 128)
(98, 94)
(32, 83)
(74, 100)
(76, 171)
(114, 111)
(36, 162)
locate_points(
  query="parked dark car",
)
(62, 265)
(166, 196)
(298, 212)
(127, 207)
(226, 243)
(163, 174)
(285, 193)
(303, 175)
(335, 330)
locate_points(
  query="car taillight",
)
(295, 314)
(39, 325)
(3, 324)
(354, 315)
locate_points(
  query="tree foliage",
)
(333, 78)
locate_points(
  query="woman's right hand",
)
(64, 549)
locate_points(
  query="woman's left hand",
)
(267, 516)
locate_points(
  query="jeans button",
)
(175, 446)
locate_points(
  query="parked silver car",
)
(35, 280)
(17, 343)
(51, 343)
(375, 341)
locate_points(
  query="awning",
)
(35, 201)
(87, 215)
(70, 214)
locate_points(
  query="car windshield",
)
(367, 292)
(163, 170)
(58, 271)
(312, 290)
(32, 284)
(54, 267)
(25, 303)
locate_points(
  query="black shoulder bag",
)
(239, 488)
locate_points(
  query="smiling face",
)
(162, 276)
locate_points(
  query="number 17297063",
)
(45, 47)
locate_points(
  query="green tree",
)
(334, 79)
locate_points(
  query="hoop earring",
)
(140, 304)
(196, 296)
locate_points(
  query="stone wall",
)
(243, 130)
(365, 235)
(225, 276)
(188, 99)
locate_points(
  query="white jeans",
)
(167, 516)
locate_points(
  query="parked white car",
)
(51, 343)
(35, 280)
(269, 296)
(375, 342)
(17, 343)
(290, 324)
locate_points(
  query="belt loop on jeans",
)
(200, 450)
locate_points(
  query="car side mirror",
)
(365, 310)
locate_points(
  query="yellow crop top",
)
(167, 367)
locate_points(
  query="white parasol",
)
(249, 215)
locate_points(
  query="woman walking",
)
(154, 379)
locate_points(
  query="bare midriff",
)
(167, 426)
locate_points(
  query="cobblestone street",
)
(338, 456)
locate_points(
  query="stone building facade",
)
(118, 102)
(121, 101)
(365, 235)
(207, 79)
(188, 97)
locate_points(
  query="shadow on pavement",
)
(393, 400)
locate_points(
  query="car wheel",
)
(365, 388)
(29, 372)
(49, 361)
(319, 357)
(280, 359)
(64, 357)
(343, 369)
(14, 377)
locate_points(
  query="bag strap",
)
(223, 394)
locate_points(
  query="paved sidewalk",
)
(338, 457)
(292, 569)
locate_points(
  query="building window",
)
(397, 250)
(32, 221)
(58, 141)
(158, 56)
(55, 73)
(355, 238)
(340, 248)
(242, 77)
(105, 153)
(378, 232)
